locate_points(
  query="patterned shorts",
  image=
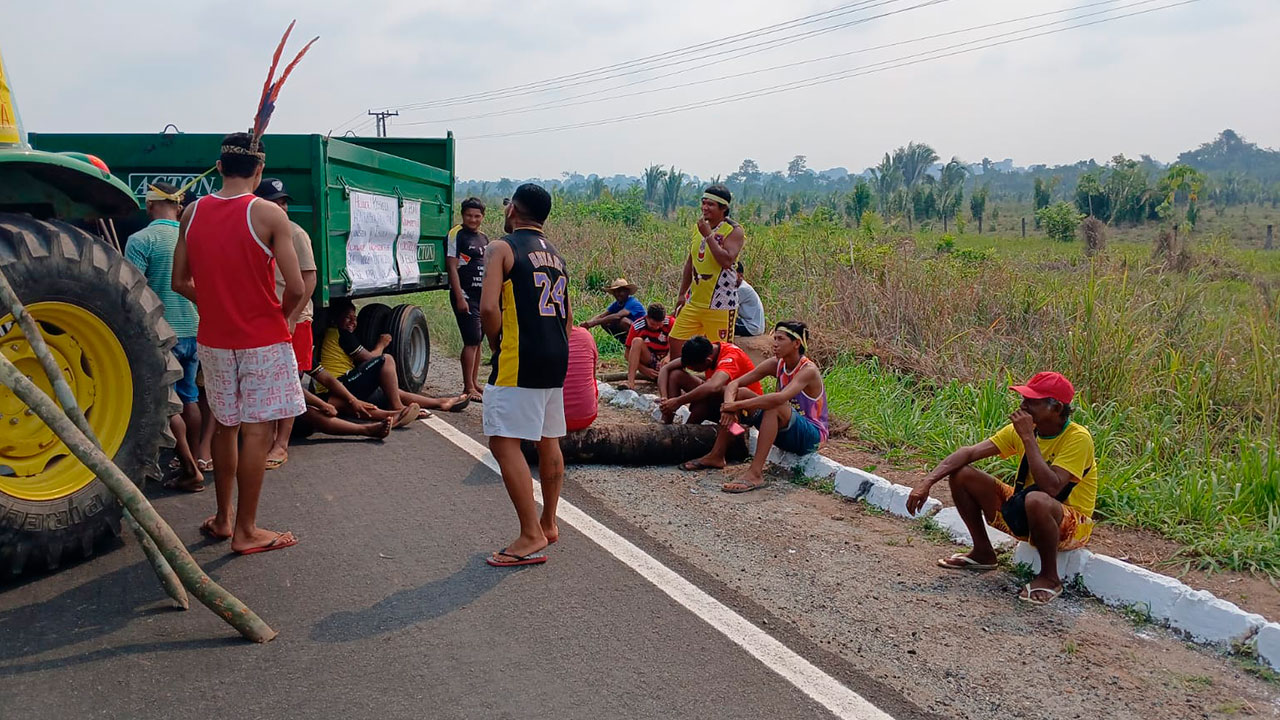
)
(256, 385)
(1073, 533)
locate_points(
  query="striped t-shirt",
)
(151, 251)
(655, 340)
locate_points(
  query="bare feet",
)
(186, 482)
(379, 430)
(213, 529)
(551, 531)
(746, 482)
(475, 395)
(261, 539)
(706, 462)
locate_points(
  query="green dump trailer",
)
(377, 209)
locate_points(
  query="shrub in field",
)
(945, 245)
(1095, 236)
(1059, 221)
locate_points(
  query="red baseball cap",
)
(1047, 385)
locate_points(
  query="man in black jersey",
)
(524, 308)
(464, 257)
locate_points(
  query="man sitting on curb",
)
(647, 345)
(719, 363)
(621, 313)
(794, 418)
(1052, 498)
(364, 372)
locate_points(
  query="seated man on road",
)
(718, 362)
(624, 310)
(1051, 500)
(366, 372)
(750, 319)
(794, 418)
(647, 344)
(581, 395)
(323, 417)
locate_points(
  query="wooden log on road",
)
(640, 444)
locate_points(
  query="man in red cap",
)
(1051, 500)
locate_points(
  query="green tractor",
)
(105, 327)
(378, 211)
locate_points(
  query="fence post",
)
(1024, 227)
(1270, 229)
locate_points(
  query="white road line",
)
(809, 679)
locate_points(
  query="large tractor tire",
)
(106, 330)
(410, 346)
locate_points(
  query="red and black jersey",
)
(656, 340)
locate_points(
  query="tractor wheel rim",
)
(34, 463)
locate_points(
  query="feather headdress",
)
(271, 87)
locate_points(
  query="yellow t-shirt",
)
(714, 287)
(332, 357)
(1071, 450)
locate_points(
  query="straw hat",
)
(621, 283)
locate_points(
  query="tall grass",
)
(1177, 372)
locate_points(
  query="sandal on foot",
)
(206, 529)
(204, 465)
(189, 486)
(960, 561)
(1052, 593)
(460, 405)
(407, 415)
(742, 487)
(695, 465)
(279, 542)
(273, 463)
(502, 558)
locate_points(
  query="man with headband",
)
(708, 298)
(793, 419)
(229, 246)
(151, 251)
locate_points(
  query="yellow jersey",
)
(714, 287)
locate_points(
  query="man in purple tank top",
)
(794, 418)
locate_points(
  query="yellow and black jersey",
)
(534, 349)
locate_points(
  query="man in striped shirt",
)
(648, 344)
(151, 251)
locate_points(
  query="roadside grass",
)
(1176, 361)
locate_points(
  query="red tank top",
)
(234, 273)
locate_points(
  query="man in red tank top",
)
(229, 246)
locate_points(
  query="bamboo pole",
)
(67, 399)
(169, 546)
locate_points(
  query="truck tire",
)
(372, 322)
(410, 346)
(106, 328)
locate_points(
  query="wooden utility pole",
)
(1024, 227)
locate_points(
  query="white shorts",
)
(256, 385)
(524, 413)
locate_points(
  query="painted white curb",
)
(949, 520)
(1198, 614)
(1269, 644)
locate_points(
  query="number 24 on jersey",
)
(552, 302)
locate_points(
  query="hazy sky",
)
(1158, 83)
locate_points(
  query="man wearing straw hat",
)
(625, 310)
(708, 298)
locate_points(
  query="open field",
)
(1176, 359)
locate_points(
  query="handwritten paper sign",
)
(407, 242)
(371, 259)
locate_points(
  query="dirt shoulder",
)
(865, 586)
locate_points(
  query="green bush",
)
(1059, 221)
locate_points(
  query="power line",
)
(649, 59)
(818, 80)
(732, 52)
(596, 97)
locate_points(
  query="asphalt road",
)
(386, 609)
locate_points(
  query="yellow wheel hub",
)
(34, 463)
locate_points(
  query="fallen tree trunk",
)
(640, 444)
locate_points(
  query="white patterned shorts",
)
(256, 385)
